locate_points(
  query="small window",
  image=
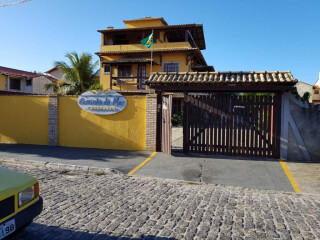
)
(171, 67)
(316, 91)
(106, 69)
(15, 84)
(29, 82)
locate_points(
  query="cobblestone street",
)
(114, 206)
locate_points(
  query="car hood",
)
(12, 182)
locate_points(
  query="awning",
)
(129, 60)
(223, 81)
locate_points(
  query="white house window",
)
(15, 84)
(170, 67)
(29, 82)
(106, 69)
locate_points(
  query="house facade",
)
(126, 63)
(14, 80)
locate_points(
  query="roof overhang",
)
(129, 61)
(222, 81)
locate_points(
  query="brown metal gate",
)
(232, 125)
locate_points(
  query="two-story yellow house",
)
(126, 63)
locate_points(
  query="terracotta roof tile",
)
(16, 72)
(211, 78)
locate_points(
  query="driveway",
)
(216, 169)
(115, 206)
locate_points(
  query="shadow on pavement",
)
(42, 232)
(68, 153)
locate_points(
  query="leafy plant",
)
(78, 75)
(177, 119)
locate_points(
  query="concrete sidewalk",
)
(123, 161)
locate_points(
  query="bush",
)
(177, 119)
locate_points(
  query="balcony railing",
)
(138, 81)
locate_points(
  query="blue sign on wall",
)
(104, 102)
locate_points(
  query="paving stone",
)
(114, 206)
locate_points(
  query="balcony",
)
(137, 81)
(137, 47)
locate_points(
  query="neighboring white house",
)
(303, 87)
(56, 73)
(15, 80)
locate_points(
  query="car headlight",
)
(28, 194)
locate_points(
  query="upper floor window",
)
(170, 67)
(316, 91)
(15, 84)
(124, 71)
(106, 69)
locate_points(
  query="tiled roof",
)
(16, 72)
(211, 78)
(4, 92)
(51, 70)
(128, 60)
(146, 19)
(51, 78)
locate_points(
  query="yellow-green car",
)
(20, 202)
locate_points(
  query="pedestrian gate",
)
(231, 124)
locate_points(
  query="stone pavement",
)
(115, 206)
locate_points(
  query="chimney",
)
(110, 27)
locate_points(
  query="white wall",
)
(38, 85)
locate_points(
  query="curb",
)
(61, 166)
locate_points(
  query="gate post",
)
(53, 120)
(185, 123)
(151, 122)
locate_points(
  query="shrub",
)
(177, 119)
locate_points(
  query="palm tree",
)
(57, 87)
(78, 76)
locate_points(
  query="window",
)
(106, 69)
(124, 71)
(316, 91)
(15, 84)
(29, 82)
(171, 67)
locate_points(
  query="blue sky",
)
(241, 35)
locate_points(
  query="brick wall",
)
(151, 122)
(53, 121)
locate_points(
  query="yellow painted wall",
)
(2, 82)
(144, 23)
(24, 119)
(169, 57)
(125, 130)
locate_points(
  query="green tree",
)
(78, 75)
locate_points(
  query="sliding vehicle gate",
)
(231, 124)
